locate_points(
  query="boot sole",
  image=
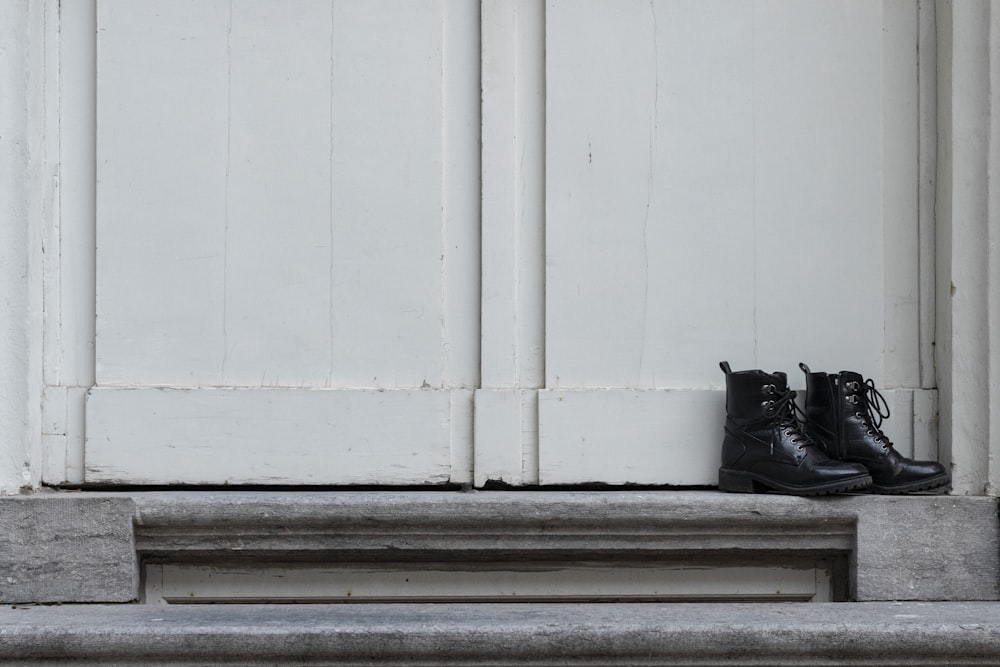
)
(740, 481)
(912, 487)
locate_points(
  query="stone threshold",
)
(89, 546)
(873, 633)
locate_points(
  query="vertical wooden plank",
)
(77, 188)
(599, 189)
(277, 244)
(992, 273)
(529, 190)
(513, 294)
(70, 281)
(461, 193)
(53, 435)
(925, 424)
(899, 428)
(162, 160)
(387, 194)
(900, 183)
(462, 424)
(499, 343)
(927, 149)
(530, 444)
(818, 185)
(650, 193)
(513, 239)
(964, 232)
(51, 287)
(28, 173)
(498, 426)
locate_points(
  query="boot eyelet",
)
(858, 415)
(769, 389)
(869, 433)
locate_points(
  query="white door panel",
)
(287, 202)
(715, 190)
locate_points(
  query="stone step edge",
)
(871, 633)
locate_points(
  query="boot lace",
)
(787, 411)
(876, 409)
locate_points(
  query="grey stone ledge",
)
(898, 547)
(894, 634)
(494, 524)
(88, 547)
(67, 547)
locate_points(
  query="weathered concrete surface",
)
(85, 547)
(927, 548)
(493, 524)
(904, 547)
(506, 634)
(67, 548)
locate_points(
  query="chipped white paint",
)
(506, 436)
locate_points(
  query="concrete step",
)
(872, 633)
(90, 547)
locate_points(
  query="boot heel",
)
(736, 481)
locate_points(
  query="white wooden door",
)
(444, 241)
(724, 180)
(287, 242)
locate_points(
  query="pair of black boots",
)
(837, 448)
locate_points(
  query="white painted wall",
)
(968, 214)
(508, 241)
(26, 185)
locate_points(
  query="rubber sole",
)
(741, 481)
(935, 482)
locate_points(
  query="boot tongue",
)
(851, 376)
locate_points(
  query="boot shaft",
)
(837, 407)
(750, 393)
(823, 410)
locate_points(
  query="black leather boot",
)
(764, 447)
(843, 415)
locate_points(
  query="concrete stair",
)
(921, 573)
(872, 633)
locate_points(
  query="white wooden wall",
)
(426, 242)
